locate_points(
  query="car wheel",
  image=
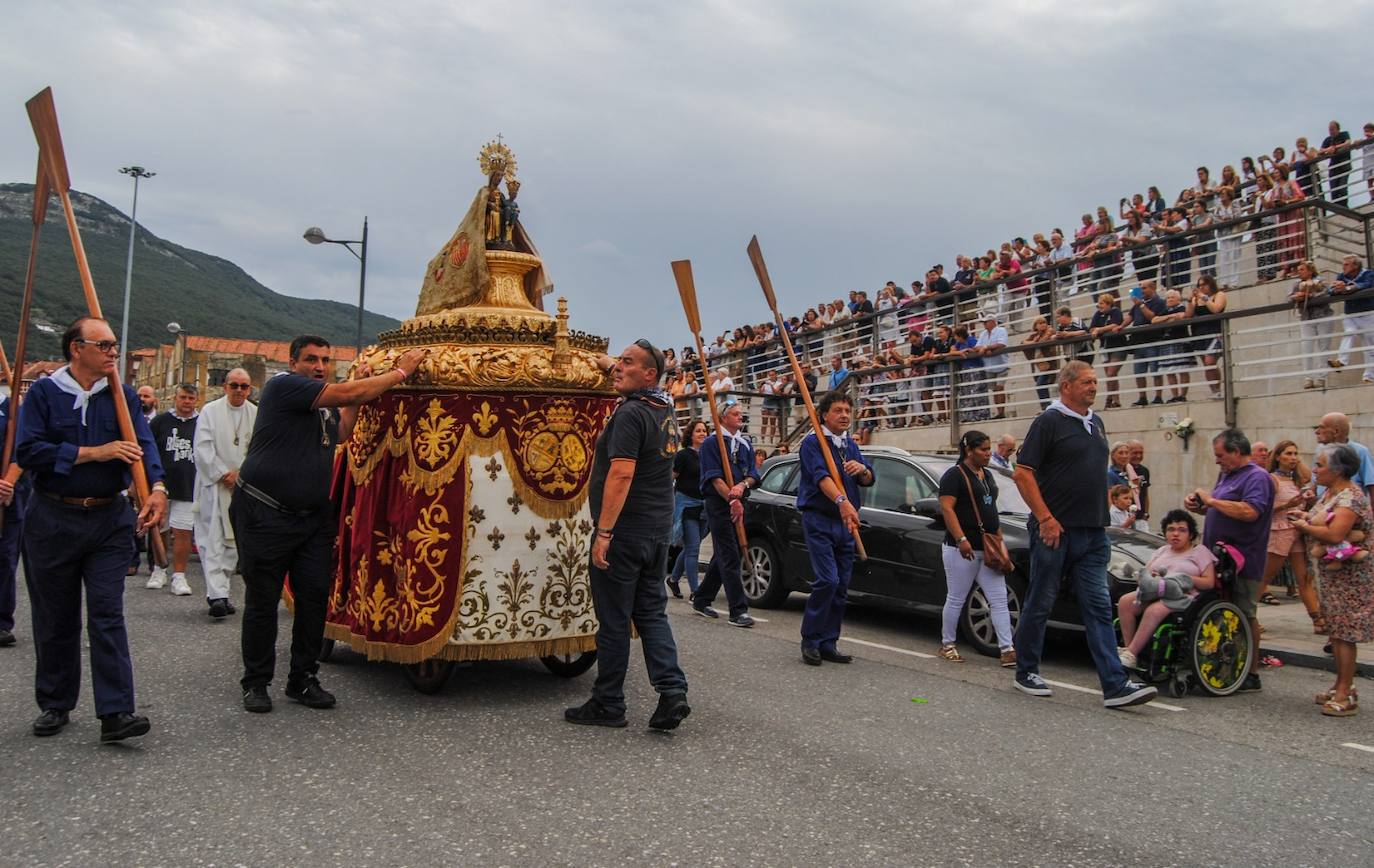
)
(975, 622)
(764, 585)
(428, 676)
(569, 665)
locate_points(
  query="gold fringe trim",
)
(441, 647)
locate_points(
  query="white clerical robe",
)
(222, 435)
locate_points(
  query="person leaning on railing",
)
(1208, 299)
(1312, 301)
(1043, 359)
(1106, 325)
(1358, 324)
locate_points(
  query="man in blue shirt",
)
(724, 505)
(837, 372)
(1358, 324)
(79, 530)
(14, 496)
(1146, 304)
(829, 519)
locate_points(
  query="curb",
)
(1306, 660)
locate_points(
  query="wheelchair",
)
(1206, 646)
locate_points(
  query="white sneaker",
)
(157, 580)
(1127, 658)
(179, 586)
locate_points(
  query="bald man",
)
(1004, 456)
(222, 435)
(1335, 428)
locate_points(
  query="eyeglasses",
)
(244, 386)
(653, 351)
(103, 346)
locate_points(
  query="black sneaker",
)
(672, 710)
(745, 620)
(229, 607)
(6, 638)
(1157, 400)
(256, 700)
(218, 609)
(1251, 682)
(832, 655)
(50, 722)
(811, 656)
(1032, 683)
(1130, 693)
(1143, 402)
(705, 611)
(311, 695)
(117, 727)
(593, 713)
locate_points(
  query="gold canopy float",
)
(464, 527)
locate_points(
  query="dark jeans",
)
(1042, 387)
(1336, 177)
(1081, 557)
(9, 560)
(726, 563)
(629, 591)
(272, 544)
(70, 548)
(831, 548)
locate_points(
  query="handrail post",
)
(954, 433)
(1228, 386)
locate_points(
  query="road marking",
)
(1363, 747)
(921, 654)
(1153, 704)
(757, 618)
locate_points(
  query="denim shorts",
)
(1145, 360)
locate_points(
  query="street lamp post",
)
(315, 235)
(136, 172)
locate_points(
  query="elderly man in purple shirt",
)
(1238, 511)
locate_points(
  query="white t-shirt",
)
(997, 335)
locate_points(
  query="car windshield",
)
(1009, 500)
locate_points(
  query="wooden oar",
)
(43, 117)
(687, 288)
(761, 269)
(41, 191)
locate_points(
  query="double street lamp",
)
(315, 235)
(135, 172)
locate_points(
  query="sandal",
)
(1327, 696)
(1269, 599)
(1336, 708)
(1318, 624)
(950, 653)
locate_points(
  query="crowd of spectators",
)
(944, 334)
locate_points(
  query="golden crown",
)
(496, 159)
(561, 417)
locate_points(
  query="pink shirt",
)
(1194, 562)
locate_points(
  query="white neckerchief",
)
(1087, 420)
(735, 441)
(840, 440)
(66, 382)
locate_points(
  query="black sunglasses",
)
(238, 385)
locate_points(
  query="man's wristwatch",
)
(841, 499)
(160, 486)
(961, 539)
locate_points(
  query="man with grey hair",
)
(1238, 511)
(1335, 428)
(221, 444)
(1004, 455)
(1358, 323)
(1061, 473)
(1143, 473)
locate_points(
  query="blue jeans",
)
(832, 560)
(1082, 557)
(688, 560)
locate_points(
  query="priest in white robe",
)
(222, 434)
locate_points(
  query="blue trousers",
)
(632, 591)
(831, 548)
(9, 560)
(67, 548)
(1082, 557)
(726, 564)
(688, 560)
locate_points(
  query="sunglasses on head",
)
(654, 352)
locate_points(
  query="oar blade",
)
(761, 269)
(687, 288)
(43, 117)
(42, 192)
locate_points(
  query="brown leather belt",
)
(83, 502)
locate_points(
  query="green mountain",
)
(170, 283)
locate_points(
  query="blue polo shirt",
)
(51, 433)
(741, 462)
(813, 470)
(1363, 280)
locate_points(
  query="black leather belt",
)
(268, 500)
(83, 502)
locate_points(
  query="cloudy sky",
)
(861, 142)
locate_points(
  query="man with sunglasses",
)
(282, 516)
(79, 531)
(221, 443)
(630, 494)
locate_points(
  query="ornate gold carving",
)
(502, 368)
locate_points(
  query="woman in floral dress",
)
(1345, 585)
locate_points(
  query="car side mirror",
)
(926, 507)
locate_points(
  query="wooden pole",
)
(761, 269)
(686, 287)
(53, 160)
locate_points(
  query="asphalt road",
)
(900, 758)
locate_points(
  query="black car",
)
(902, 534)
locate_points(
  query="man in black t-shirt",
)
(174, 432)
(1061, 472)
(631, 499)
(1336, 148)
(282, 516)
